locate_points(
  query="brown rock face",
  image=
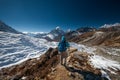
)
(109, 38)
(32, 68)
(47, 67)
(80, 61)
(81, 37)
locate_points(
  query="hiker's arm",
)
(67, 45)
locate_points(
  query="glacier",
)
(17, 48)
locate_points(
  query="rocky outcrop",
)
(86, 29)
(47, 67)
(32, 68)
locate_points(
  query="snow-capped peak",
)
(55, 33)
(57, 28)
(110, 25)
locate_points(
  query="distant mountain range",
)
(110, 25)
(52, 35)
(55, 34)
(33, 34)
(108, 36)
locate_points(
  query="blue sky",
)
(44, 15)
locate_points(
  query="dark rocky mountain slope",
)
(6, 28)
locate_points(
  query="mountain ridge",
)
(6, 28)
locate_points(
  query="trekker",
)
(62, 48)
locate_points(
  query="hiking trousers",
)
(63, 57)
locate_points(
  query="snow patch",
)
(57, 28)
(104, 74)
(83, 48)
(111, 51)
(50, 36)
(110, 25)
(23, 78)
(98, 61)
(34, 32)
(103, 63)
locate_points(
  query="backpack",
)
(62, 46)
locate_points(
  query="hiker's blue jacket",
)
(63, 45)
